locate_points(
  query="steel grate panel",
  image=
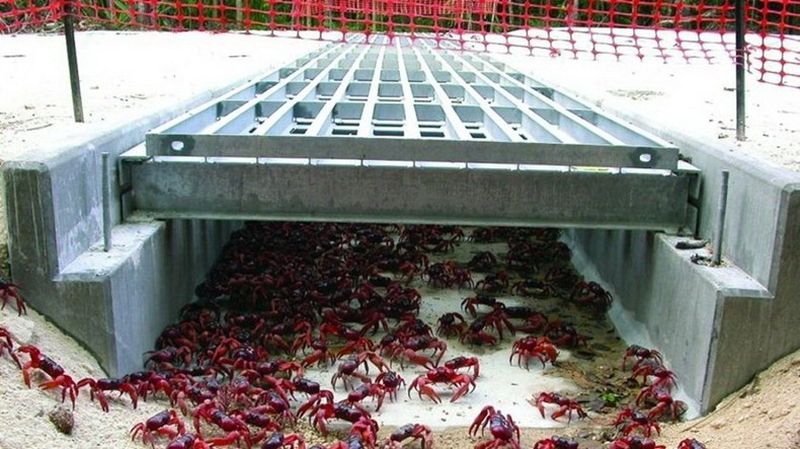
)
(407, 102)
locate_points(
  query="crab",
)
(691, 443)
(465, 362)
(277, 440)
(351, 413)
(665, 405)
(209, 412)
(533, 288)
(98, 386)
(58, 377)
(469, 304)
(630, 420)
(475, 334)
(10, 291)
(482, 262)
(564, 334)
(7, 346)
(529, 347)
(503, 429)
(664, 378)
(493, 283)
(566, 406)
(188, 441)
(641, 354)
(534, 321)
(413, 431)
(366, 390)
(390, 381)
(634, 442)
(347, 368)
(159, 424)
(321, 354)
(556, 443)
(591, 294)
(451, 324)
(442, 375)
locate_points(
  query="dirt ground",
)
(127, 74)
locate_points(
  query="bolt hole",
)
(177, 145)
(646, 157)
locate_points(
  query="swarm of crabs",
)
(284, 297)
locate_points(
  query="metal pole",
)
(722, 209)
(740, 66)
(106, 190)
(72, 60)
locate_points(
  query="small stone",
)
(722, 136)
(62, 418)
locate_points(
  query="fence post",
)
(740, 66)
(72, 61)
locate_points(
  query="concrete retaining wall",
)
(717, 327)
(114, 303)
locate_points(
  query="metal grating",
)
(408, 103)
(407, 134)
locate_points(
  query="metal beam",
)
(267, 191)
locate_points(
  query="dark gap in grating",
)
(431, 133)
(388, 132)
(477, 135)
(298, 130)
(344, 131)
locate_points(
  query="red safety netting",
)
(28, 15)
(685, 30)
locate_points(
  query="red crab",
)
(465, 362)
(564, 334)
(630, 420)
(665, 405)
(210, 413)
(534, 321)
(533, 288)
(159, 424)
(566, 406)
(7, 346)
(691, 443)
(664, 378)
(44, 363)
(278, 440)
(97, 387)
(470, 304)
(591, 294)
(366, 390)
(321, 413)
(634, 442)
(530, 347)
(475, 335)
(556, 443)
(503, 429)
(391, 382)
(413, 431)
(482, 262)
(347, 368)
(640, 354)
(451, 324)
(10, 291)
(442, 375)
(493, 283)
(188, 441)
(321, 355)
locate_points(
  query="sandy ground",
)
(127, 74)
